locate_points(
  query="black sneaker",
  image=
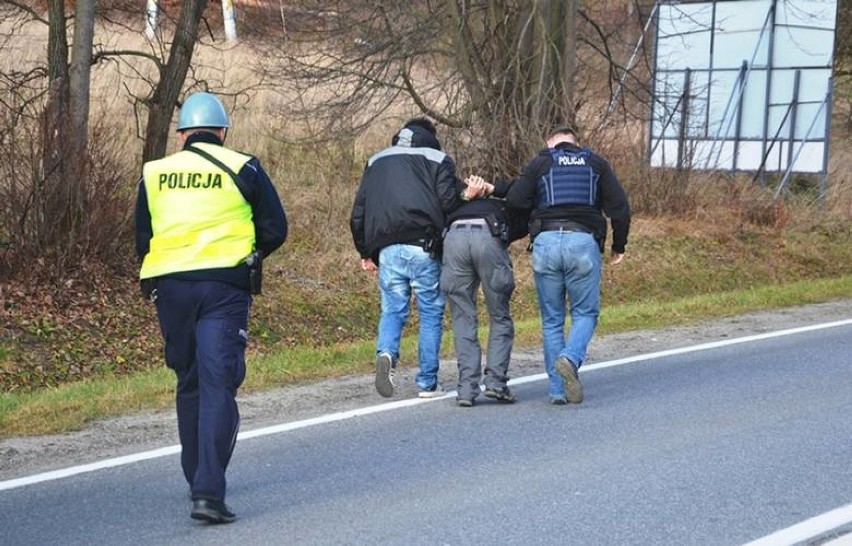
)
(573, 387)
(503, 394)
(384, 374)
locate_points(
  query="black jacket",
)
(405, 194)
(270, 221)
(495, 209)
(612, 199)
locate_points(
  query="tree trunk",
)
(81, 69)
(77, 138)
(568, 24)
(162, 104)
(552, 87)
(57, 75)
(469, 61)
(53, 194)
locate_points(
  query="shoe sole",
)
(430, 394)
(211, 517)
(500, 398)
(383, 382)
(573, 387)
(465, 403)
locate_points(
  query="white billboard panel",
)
(742, 84)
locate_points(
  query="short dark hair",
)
(423, 123)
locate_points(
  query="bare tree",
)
(172, 76)
(501, 70)
(517, 64)
(80, 75)
(51, 196)
(66, 119)
(496, 74)
(51, 206)
(56, 109)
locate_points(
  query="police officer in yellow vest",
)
(201, 215)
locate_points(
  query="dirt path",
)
(24, 456)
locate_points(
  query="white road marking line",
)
(91, 467)
(807, 529)
(343, 415)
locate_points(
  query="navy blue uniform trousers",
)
(204, 325)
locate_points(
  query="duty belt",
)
(564, 225)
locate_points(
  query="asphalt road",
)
(719, 446)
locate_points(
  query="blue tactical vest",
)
(570, 181)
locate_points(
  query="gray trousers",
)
(473, 257)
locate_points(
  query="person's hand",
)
(616, 258)
(474, 180)
(367, 264)
(477, 187)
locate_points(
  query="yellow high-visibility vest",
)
(200, 219)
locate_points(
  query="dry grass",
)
(692, 235)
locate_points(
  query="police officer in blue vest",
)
(569, 189)
(206, 216)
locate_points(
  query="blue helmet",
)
(202, 110)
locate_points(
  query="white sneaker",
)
(433, 392)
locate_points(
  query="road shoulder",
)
(23, 456)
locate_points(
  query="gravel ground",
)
(23, 456)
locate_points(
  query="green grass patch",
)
(70, 406)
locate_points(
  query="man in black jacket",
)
(476, 252)
(569, 189)
(406, 191)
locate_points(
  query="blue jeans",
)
(566, 263)
(401, 269)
